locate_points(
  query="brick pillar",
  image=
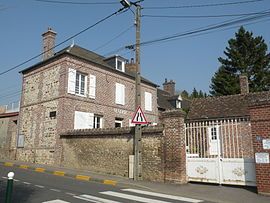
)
(174, 146)
(260, 127)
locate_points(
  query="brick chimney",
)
(48, 43)
(169, 87)
(244, 88)
(131, 66)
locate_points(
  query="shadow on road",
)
(20, 194)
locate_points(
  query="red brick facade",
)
(260, 126)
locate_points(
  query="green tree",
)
(244, 55)
(194, 93)
(185, 94)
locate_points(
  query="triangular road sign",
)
(139, 117)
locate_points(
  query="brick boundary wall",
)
(107, 150)
(260, 127)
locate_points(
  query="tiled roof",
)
(225, 106)
(87, 55)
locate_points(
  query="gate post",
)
(260, 128)
(174, 146)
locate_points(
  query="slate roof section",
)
(165, 101)
(162, 100)
(232, 106)
(82, 53)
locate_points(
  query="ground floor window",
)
(119, 122)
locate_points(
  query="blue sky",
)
(190, 61)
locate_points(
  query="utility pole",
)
(138, 127)
(137, 170)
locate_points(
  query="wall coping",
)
(110, 131)
(173, 113)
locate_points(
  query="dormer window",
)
(120, 65)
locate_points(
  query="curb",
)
(78, 177)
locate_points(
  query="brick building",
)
(76, 89)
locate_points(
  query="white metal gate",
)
(220, 152)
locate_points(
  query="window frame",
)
(120, 94)
(79, 93)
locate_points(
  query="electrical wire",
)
(207, 28)
(78, 3)
(203, 16)
(203, 5)
(69, 38)
(108, 42)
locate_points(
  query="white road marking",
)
(40, 186)
(16, 180)
(4, 177)
(69, 193)
(55, 190)
(132, 197)
(56, 201)
(163, 195)
(26, 183)
(94, 199)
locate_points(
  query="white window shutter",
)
(120, 94)
(148, 101)
(92, 86)
(71, 80)
(91, 120)
(83, 120)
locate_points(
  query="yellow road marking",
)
(81, 177)
(23, 166)
(8, 164)
(109, 182)
(40, 170)
(59, 173)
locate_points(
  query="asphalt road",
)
(34, 187)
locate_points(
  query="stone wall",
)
(108, 150)
(260, 126)
(8, 134)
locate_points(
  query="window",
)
(53, 114)
(97, 121)
(120, 94)
(148, 101)
(80, 85)
(120, 65)
(178, 104)
(213, 133)
(118, 122)
(76, 82)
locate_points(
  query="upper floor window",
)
(80, 85)
(178, 104)
(77, 83)
(120, 65)
(148, 101)
(120, 94)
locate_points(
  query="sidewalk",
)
(208, 192)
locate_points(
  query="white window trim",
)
(85, 85)
(148, 104)
(119, 121)
(119, 94)
(95, 121)
(122, 69)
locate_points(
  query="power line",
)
(77, 3)
(205, 29)
(203, 16)
(203, 5)
(108, 42)
(69, 38)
